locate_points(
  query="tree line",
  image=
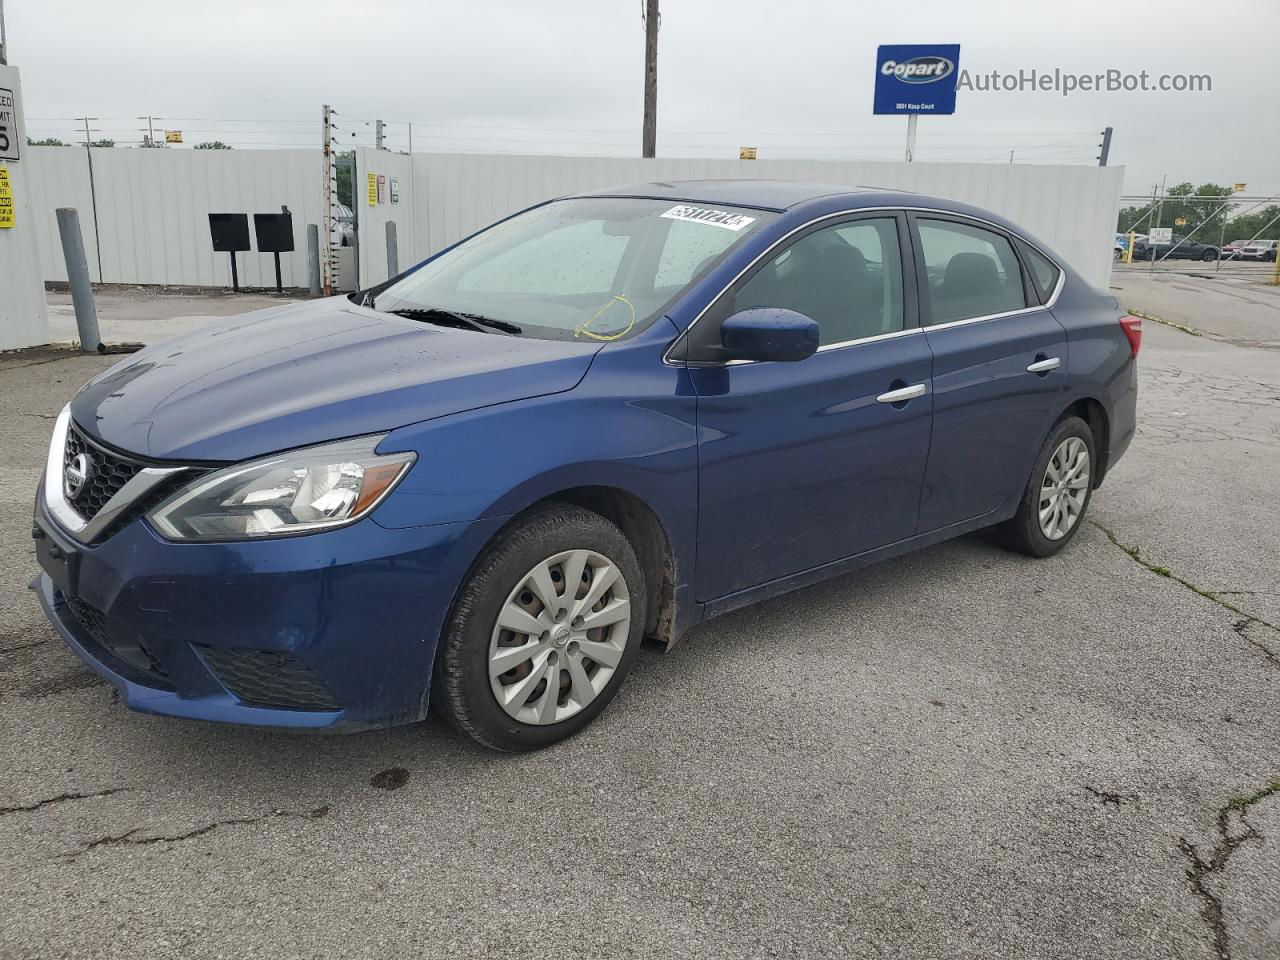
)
(1213, 217)
(55, 142)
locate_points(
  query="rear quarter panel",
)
(1100, 362)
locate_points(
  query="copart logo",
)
(919, 69)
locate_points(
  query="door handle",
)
(1044, 366)
(903, 394)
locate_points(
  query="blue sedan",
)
(479, 485)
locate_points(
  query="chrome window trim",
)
(86, 531)
(1062, 278)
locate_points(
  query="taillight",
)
(1132, 327)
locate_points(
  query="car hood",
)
(305, 373)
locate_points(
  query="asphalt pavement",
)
(960, 753)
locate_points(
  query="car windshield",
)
(593, 268)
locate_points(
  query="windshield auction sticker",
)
(709, 216)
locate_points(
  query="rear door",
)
(999, 362)
(801, 464)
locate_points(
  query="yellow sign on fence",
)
(746, 153)
(6, 199)
(173, 136)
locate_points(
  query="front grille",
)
(128, 655)
(265, 678)
(110, 473)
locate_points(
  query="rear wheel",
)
(1057, 495)
(543, 633)
(1209, 255)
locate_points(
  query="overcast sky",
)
(792, 77)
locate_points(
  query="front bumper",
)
(333, 631)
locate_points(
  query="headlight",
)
(315, 488)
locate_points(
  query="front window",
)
(593, 268)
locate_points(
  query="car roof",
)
(762, 194)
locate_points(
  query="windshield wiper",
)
(467, 321)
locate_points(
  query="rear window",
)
(972, 272)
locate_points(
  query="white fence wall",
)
(61, 180)
(153, 210)
(444, 197)
(153, 205)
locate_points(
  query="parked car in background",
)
(1232, 250)
(1259, 250)
(1121, 246)
(1179, 248)
(479, 485)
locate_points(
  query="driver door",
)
(802, 464)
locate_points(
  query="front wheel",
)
(1057, 495)
(543, 633)
(1209, 255)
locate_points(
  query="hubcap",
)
(1064, 488)
(559, 637)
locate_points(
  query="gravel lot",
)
(959, 753)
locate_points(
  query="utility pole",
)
(377, 134)
(1106, 147)
(329, 185)
(652, 19)
(4, 37)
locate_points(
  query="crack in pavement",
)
(1200, 868)
(1107, 796)
(1241, 627)
(131, 838)
(23, 646)
(62, 798)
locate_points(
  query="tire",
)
(1024, 532)
(1209, 255)
(547, 543)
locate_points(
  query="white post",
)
(911, 135)
(24, 321)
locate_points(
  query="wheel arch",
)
(648, 535)
(1091, 411)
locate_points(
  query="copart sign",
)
(917, 78)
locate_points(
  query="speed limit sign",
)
(8, 126)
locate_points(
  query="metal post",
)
(911, 137)
(93, 195)
(411, 138)
(393, 254)
(1106, 147)
(78, 279)
(235, 273)
(649, 136)
(4, 37)
(313, 259)
(279, 284)
(377, 134)
(329, 186)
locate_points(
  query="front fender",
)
(630, 425)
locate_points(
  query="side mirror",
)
(769, 333)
